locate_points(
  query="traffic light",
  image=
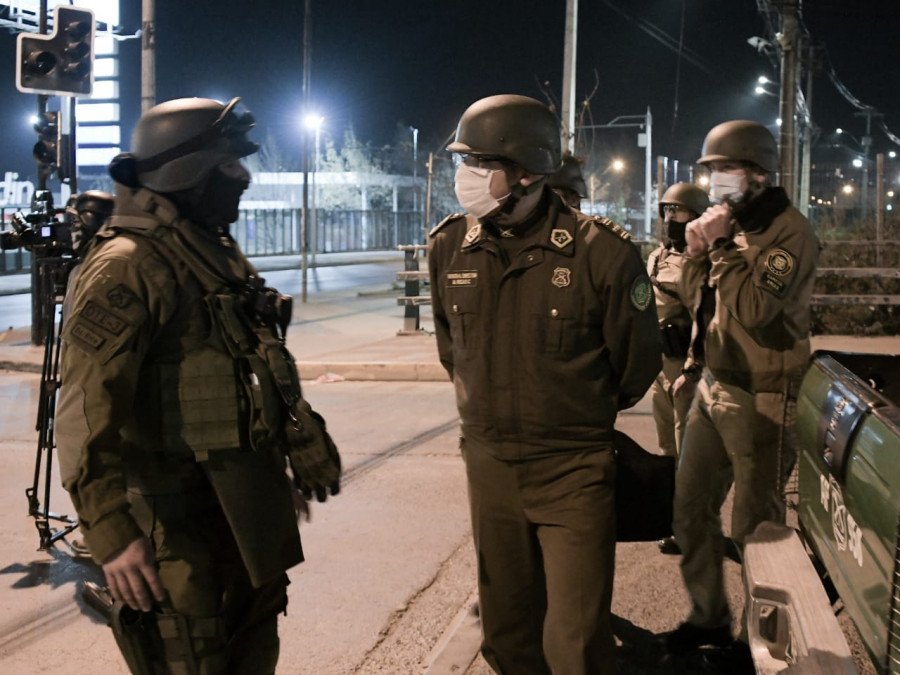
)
(61, 63)
(46, 150)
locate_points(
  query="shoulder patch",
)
(641, 293)
(607, 224)
(446, 221)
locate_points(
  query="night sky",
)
(377, 66)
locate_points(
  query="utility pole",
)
(806, 167)
(148, 55)
(304, 215)
(430, 166)
(787, 104)
(568, 93)
(879, 207)
(866, 143)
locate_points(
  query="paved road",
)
(390, 571)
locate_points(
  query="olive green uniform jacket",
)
(759, 335)
(545, 348)
(152, 400)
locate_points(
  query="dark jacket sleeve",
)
(112, 312)
(441, 325)
(631, 326)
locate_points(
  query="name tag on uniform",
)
(465, 278)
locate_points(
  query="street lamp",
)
(313, 123)
(415, 135)
(760, 88)
(616, 165)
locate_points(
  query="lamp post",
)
(313, 123)
(616, 165)
(644, 122)
(415, 135)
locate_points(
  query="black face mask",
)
(216, 204)
(675, 232)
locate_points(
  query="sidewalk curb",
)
(374, 371)
(312, 370)
(21, 366)
(458, 647)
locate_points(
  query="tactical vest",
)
(234, 389)
(227, 399)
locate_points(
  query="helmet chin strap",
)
(517, 191)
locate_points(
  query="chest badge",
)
(561, 238)
(562, 277)
(473, 233)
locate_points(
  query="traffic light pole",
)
(38, 329)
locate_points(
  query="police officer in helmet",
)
(545, 323)
(677, 282)
(568, 182)
(180, 407)
(762, 254)
(87, 212)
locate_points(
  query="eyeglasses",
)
(675, 209)
(480, 160)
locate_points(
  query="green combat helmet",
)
(744, 141)
(177, 143)
(688, 195)
(518, 128)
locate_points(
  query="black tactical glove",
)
(313, 455)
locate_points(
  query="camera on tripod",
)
(39, 231)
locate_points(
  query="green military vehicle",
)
(848, 511)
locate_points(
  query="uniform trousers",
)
(545, 539)
(233, 626)
(669, 411)
(731, 435)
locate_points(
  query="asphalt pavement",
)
(357, 335)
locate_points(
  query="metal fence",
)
(277, 232)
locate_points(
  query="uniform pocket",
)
(462, 315)
(558, 324)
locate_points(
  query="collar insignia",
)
(473, 233)
(561, 238)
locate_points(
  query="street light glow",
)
(618, 165)
(762, 79)
(847, 189)
(857, 163)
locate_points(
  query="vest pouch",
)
(234, 331)
(208, 413)
(676, 339)
(267, 409)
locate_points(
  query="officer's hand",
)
(313, 456)
(697, 245)
(715, 223)
(684, 387)
(132, 577)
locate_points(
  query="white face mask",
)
(473, 190)
(726, 186)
